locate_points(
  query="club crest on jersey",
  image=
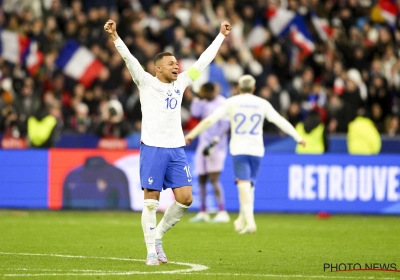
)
(177, 91)
(169, 93)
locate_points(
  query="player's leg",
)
(242, 169)
(152, 170)
(203, 192)
(245, 198)
(149, 222)
(214, 165)
(248, 209)
(239, 223)
(222, 216)
(173, 214)
(178, 178)
(202, 216)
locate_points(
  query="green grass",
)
(286, 246)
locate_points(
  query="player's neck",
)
(163, 79)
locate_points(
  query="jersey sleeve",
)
(135, 69)
(273, 116)
(205, 58)
(218, 114)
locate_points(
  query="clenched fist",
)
(225, 28)
(110, 26)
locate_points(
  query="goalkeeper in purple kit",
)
(210, 152)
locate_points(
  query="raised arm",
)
(209, 54)
(134, 67)
(218, 114)
(274, 117)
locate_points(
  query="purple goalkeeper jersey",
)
(202, 108)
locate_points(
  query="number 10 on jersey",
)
(171, 103)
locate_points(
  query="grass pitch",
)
(109, 245)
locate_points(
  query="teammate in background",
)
(246, 113)
(210, 152)
(163, 162)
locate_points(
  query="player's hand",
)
(303, 143)
(188, 140)
(225, 28)
(110, 26)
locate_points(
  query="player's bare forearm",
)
(111, 28)
(114, 36)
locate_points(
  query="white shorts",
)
(211, 163)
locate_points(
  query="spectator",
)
(113, 124)
(81, 121)
(362, 137)
(357, 38)
(392, 126)
(43, 131)
(314, 132)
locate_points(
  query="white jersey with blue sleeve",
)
(247, 113)
(161, 102)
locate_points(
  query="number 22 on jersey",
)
(242, 122)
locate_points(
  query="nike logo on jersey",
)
(189, 180)
(177, 91)
(150, 180)
(151, 228)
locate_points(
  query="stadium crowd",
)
(352, 63)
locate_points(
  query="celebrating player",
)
(163, 162)
(246, 113)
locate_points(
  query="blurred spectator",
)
(279, 98)
(351, 102)
(113, 124)
(314, 132)
(392, 127)
(354, 62)
(27, 101)
(81, 122)
(362, 137)
(13, 137)
(43, 130)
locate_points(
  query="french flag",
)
(18, 48)
(389, 10)
(279, 20)
(213, 73)
(33, 58)
(283, 22)
(13, 46)
(303, 42)
(79, 63)
(321, 26)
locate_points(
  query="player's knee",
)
(186, 200)
(217, 192)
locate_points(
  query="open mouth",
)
(175, 72)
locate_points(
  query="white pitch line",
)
(192, 267)
(58, 270)
(289, 276)
(197, 273)
(194, 270)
